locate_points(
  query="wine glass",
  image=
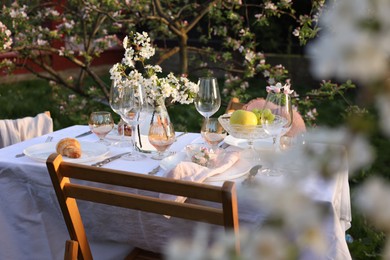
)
(101, 123)
(277, 116)
(213, 133)
(161, 136)
(115, 103)
(208, 98)
(276, 119)
(129, 102)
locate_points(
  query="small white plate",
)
(240, 168)
(258, 144)
(90, 152)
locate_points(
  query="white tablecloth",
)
(32, 226)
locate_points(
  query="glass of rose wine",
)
(101, 123)
(213, 133)
(161, 136)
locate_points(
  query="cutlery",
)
(177, 137)
(141, 150)
(155, 170)
(252, 173)
(48, 139)
(83, 134)
(108, 160)
(224, 145)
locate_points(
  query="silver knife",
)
(181, 134)
(83, 134)
(110, 159)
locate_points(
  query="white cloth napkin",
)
(16, 130)
(190, 171)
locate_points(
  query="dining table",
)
(32, 226)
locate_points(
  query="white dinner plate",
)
(89, 152)
(240, 168)
(258, 144)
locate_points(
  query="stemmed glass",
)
(208, 98)
(115, 104)
(161, 136)
(128, 100)
(213, 133)
(276, 119)
(277, 115)
(101, 123)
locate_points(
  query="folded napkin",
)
(190, 171)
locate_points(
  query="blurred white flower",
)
(300, 216)
(326, 151)
(353, 42)
(373, 199)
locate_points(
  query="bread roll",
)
(69, 147)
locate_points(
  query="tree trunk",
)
(183, 53)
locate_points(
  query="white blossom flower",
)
(296, 32)
(326, 151)
(270, 6)
(5, 37)
(138, 48)
(250, 56)
(349, 47)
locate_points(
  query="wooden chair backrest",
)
(233, 105)
(67, 193)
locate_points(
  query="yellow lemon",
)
(243, 117)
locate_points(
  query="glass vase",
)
(161, 131)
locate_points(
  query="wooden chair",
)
(68, 192)
(71, 250)
(234, 104)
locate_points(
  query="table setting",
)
(230, 147)
(28, 173)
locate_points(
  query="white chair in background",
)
(17, 130)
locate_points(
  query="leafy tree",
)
(79, 31)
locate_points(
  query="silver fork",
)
(48, 139)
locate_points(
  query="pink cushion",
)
(298, 125)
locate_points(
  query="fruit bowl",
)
(249, 132)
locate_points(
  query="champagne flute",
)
(131, 100)
(208, 98)
(101, 123)
(276, 119)
(161, 136)
(213, 133)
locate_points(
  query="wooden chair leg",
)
(71, 250)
